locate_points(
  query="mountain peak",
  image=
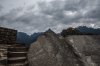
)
(49, 30)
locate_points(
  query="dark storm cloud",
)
(11, 16)
(1, 7)
(57, 9)
(95, 13)
(75, 5)
(54, 15)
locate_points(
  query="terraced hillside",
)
(11, 53)
(17, 55)
(3, 55)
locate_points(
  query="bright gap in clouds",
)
(92, 25)
(70, 13)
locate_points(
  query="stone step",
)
(2, 65)
(16, 60)
(3, 49)
(15, 45)
(17, 54)
(18, 49)
(3, 62)
(3, 58)
(18, 64)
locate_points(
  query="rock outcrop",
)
(72, 50)
(87, 47)
(49, 50)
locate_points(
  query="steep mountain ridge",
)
(87, 47)
(81, 30)
(27, 39)
(85, 29)
(51, 49)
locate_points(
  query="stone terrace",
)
(11, 53)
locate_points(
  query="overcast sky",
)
(38, 15)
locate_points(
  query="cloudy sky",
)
(38, 15)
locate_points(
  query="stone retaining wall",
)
(7, 36)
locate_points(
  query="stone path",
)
(17, 55)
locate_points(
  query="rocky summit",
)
(72, 50)
(49, 50)
(87, 47)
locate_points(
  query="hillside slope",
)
(49, 50)
(87, 47)
(73, 50)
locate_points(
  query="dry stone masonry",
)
(7, 35)
(11, 53)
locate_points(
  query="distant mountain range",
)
(27, 39)
(89, 30)
(81, 30)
